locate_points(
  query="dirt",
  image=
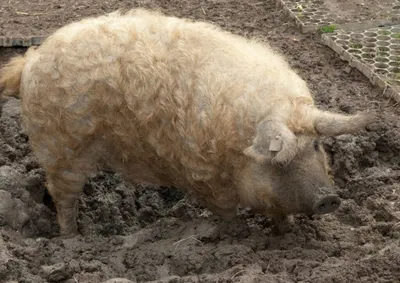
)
(349, 11)
(157, 235)
(25, 18)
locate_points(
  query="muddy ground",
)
(40, 17)
(149, 234)
(348, 11)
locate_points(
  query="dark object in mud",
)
(176, 103)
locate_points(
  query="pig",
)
(170, 101)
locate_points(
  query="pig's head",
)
(287, 171)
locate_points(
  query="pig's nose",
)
(326, 204)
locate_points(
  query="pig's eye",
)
(316, 145)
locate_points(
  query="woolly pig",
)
(173, 102)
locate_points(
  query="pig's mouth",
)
(326, 204)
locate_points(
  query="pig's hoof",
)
(68, 234)
(219, 230)
(283, 224)
(64, 237)
(281, 228)
(237, 227)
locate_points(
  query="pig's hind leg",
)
(65, 187)
(67, 167)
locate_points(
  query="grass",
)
(395, 79)
(382, 54)
(299, 8)
(381, 59)
(384, 32)
(396, 35)
(327, 29)
(396, 76)
(356, 45)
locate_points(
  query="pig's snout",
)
(326, 204)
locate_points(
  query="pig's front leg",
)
(228, 223)
(282, 223)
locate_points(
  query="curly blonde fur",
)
(160, 99)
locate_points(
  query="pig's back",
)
(154, 90)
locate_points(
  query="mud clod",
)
(11, 108)
(12, 211)
(55, 273)
(118, 280)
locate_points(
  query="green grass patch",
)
(299, 8)
(382, 54)
(396, 76)
(384, 32)
(327, 29)
(356, 45)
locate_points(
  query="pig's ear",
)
(333, 124)
(273, 142)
